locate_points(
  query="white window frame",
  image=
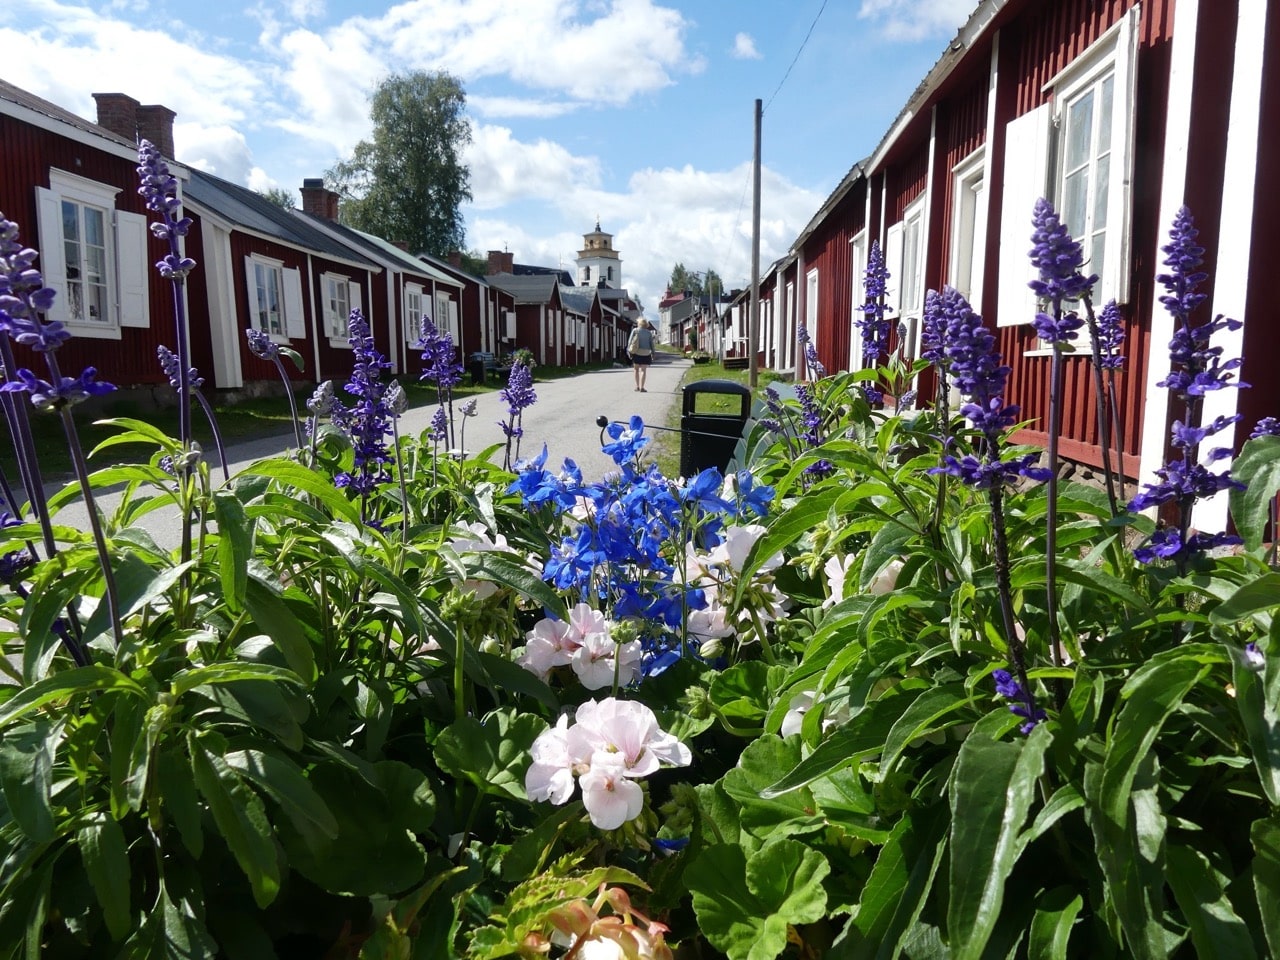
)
(969, 227)
(857, 295)
(125, 276)
(340, 296)
(911, 266)
(1114, 56)
(414, 296)
(293, 323)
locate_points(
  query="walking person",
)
(640, 349)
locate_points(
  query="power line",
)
(803, 44)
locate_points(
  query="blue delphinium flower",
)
(368, 420)
(872, 324)
(626, 440)
(1022, 703)
(518, 395)
(1196, 368)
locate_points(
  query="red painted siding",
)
(26, 155)
(828, 251)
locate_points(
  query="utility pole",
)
(753, 339)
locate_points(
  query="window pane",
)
(70, 220)
(97, 301)
(1075, 201)
(1079, 131)
(1101, 193)
(94, 229)
(1105, 97)
(1097, 255)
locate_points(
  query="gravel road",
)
(564, 418)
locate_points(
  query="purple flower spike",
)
(261, 345)
(1057, 256)
(1266, 427)
(67, 392)
(872, 324)
(1023, 704)
(171, 369)
(1110, 336)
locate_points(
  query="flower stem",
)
(1051, 507)
(217, 434)
(1100, 402)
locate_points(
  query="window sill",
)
(339, 344)
(94, 331)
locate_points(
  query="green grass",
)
(666, 447)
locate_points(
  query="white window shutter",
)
(355, 301)
(454, 330)
(295, 323)
(1026, 164)
(251, 285)
(132, 269)
(893, 247)
(1116, 270)
(510, 325)
(52, 262)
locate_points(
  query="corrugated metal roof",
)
(248, 209)
(531, 289)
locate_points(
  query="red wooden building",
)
(1119, 112)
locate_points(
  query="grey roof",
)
(531, 289)
(383, 250)
(576, 302)
(252, 211)
(532, 270)
(29, 100)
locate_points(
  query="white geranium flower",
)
(836, 569)
(478, 542)
(737, 543)
(549, 644)
(599, 659)
(886, 579)
(610, 797)
(800, 704)
(550, 776)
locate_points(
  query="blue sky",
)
(635, 111)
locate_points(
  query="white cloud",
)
(744, 48)
(220, 150)
(302, 10)
(519, 107)
(911, 20)
(505, 170)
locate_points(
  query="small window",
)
(858, 297)
(337, 304)
(412, 313)
(968, 227)
(266, 299)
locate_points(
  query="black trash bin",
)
(709, 439)
(476, 366)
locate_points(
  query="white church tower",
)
(597, 260)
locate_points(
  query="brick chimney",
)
(317, 200)
(455, 258)
(155, 123)
(118, 112)
(501, 261)
(401, 245)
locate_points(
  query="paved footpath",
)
(564, 417)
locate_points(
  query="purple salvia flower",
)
(261, 345)
(160, 189)
(1023, 703)
(1266, 427)
(439, 428)
(873, 325)
(518, 396)
(170, 367)
(440, 364)
(67, 392)
(1182, 256)
(1057, 257)
(1110, 337)
(368, 420)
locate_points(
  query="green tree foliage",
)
(408, 181)
(281, 197)
(698, 283)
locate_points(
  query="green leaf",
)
(282, 780)
(1201, 892)
(178, 796)
(293, 476)
(492, 755)
(888, 543)
(375, 850)
(513, 678)
(895, 892)
(864, 736)
(744, 906)
(1127, 837)
(921, 719)
(63, 685)
(1056, 912)
(106, 862)
(235, 546)
(295, 357)
(743, 691)
(185, 681)
(1258, 701)
(785, 529)
(765, 812)
(241, 819)
(137, 584)
(26, 774)
(1258, 467)
(273, 617)
(1261, 595)
(510, 572)
(992, 788)
(1265, 835)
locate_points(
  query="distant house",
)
(270, 268)
(409, 289)
(540, 318)
(72, 187)
(488, 312)
(1117, 111)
